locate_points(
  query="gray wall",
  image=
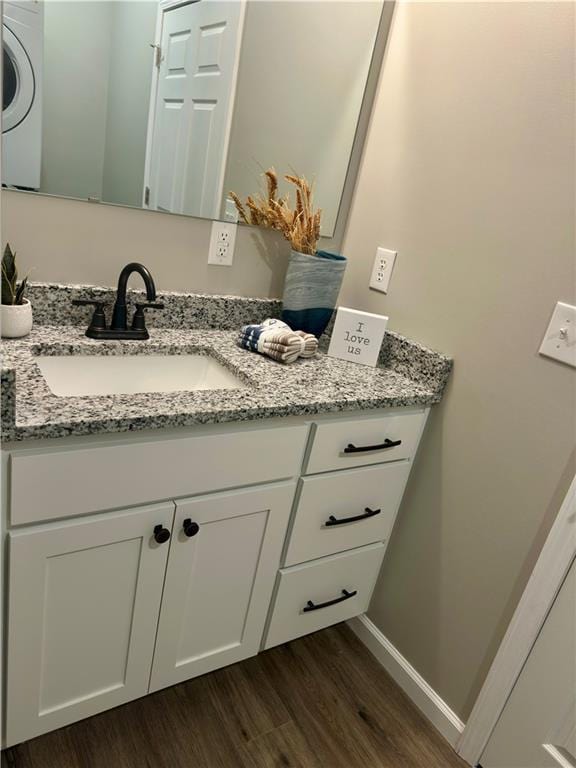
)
(131, 61)
(76, 63)
(97, 76)
(468, 172)
(74, 241)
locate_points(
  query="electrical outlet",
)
(382, 269)
(560, 338)
(222, 241)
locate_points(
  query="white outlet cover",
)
(382, 269)
(560, 338)
(222, 242)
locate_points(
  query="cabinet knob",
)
(190, 528)
(161, 534)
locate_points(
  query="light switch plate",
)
(382, 269)
(222, 242)
(230, 211)
(560, 338)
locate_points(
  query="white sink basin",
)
(78, 375)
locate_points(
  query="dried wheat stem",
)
(300, 226)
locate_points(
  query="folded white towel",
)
(277, 340)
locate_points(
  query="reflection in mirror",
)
(171, 105)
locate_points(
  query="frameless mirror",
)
(170, 105)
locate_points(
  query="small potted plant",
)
(314, 277)
(16, 310)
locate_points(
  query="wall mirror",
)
(170, 105)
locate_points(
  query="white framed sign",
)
(357, 336)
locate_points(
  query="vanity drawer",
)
(346, 443)
(317, 594)
(74, 481)
(362, 502)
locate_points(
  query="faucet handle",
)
(98, 318)
(138, 322)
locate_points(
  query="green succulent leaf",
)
(19, 298)
(12, 293)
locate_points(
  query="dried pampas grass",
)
(300, 225)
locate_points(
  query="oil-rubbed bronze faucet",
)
(118, 327)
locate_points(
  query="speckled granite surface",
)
(52, 305)
(410, 375)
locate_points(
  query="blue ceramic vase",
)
(311, 290)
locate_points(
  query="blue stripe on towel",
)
(250, 337)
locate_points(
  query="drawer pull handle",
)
(161, 534)
(310, 606)
(190, 528)
(367, 514)
(351, 448)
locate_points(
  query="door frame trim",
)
(163, 5)
(550, 571)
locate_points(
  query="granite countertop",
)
(408, 374)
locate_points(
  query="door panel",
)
(537, 728)
(84, 600)
(214, 614)
(200, 44)
(170, 120)
(67, 575)
(219, 581)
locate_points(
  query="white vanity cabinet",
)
(219, 580)
(101, 613)
(348, 497)
(83, 607)
(140, 561)
(337, 511)
(320, 593)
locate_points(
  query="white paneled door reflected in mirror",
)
(170, 105)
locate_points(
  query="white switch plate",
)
(230, 211)
(222, 242)
(382, 269)
(560, 338)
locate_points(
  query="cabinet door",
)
(84, 600)
(219, 580)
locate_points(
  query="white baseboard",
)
(414, 686)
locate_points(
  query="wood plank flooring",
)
(319, 702)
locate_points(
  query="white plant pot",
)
(15, 320)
